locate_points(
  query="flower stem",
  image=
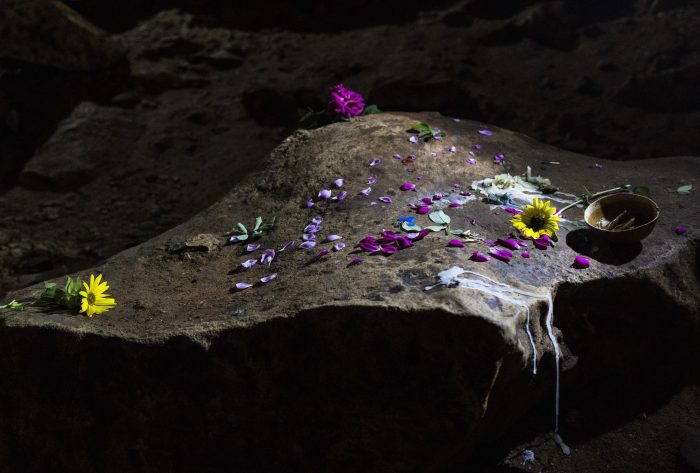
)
(594, 196)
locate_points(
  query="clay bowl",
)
(605, 209)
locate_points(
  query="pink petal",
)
(437, 196)
(455, 204)
(427, 200)
(503, 255)
(323, 252)
(511, 210)
(422, 210)
(407, 186)
(455, 243)
(478, 257)
(581, 263)
(525, 254)
(508, 243)
(542, 242)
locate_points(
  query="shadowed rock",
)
(331, 367)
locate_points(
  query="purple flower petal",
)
(680, 230)
(386, 200)
(375, 162)
(252, 247)
(369, 247)
(332, 238)
(268, 278)
(433, 154)
(355, 261)
(338, 183)
(422, 210)
(324, 194)
(311, 228)
(477, 146)
(471, 161)
(455, 243)
(342, 196)
(427, 200)
(485, 132)
(503, 255)
(490, 242)
(323, 252)
(455, 204)
(249, 263)
(373, 203)
(525, 254)
(511, 210)
(287, 245)
(366, 191)
(407, 186)
(437, 196)
(508, 243)
(581, 263)
(308, 237)
(453, 149)
(267, 256)
(371, 179)
(542, 242)
(499, 158)
(413, 139)
(243, 285)
(456, 120)
(456, 185)
(317, 220)
(338, 246)
(389, 249)
(473, 221)
(598, 166)
(478, 257)
(307, 245)
(309, 204)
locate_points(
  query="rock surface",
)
(338, 367)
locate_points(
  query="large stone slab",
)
(339, 367)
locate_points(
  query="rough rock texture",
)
(333, 367)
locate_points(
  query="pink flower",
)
(345, 102)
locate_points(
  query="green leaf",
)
(371, 110)
(242, 228)
(440, 217)
(410, 228)
(242, 237)
(419, 127)
(435, 228)
(456, 231)
(14, 305)
(641, 190)
(258, 222)
(685, 189)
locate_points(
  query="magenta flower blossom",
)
(478, 257)
(581, 263)
(407, 186)
(455, 244)
(680, 230)
(503, 255)
(346, 102)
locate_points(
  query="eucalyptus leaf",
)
(440, 217)
(258, 223)
(684, 189)
(456, 231)
(242, 228)
(435, 228)
(242, 237)
(410, 228)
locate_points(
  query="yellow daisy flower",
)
(95, 301)
(537, 219)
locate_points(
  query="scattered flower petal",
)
(375, 162)
(508, 243)
(413, 139)
(453, 149)
(355, 261)
(386, 200)
(407, 186)
(366, 191)
(485, 132)
(542, 242)
(498, 159)
(249, 263)
(342, 196)
(433, 154)
(373, 203)
(525, 254)
(455, 204)
(333, 238)
(389, 249)
(308, 236)
(371, 179)
(598, 166)
(338, 182)
(490, 242)
(680, 230)
(307, 245)
(471, 161)
(478, 257)
(323, 252)
(309, 204)
(455, 244)
(477, 146)
(252, 247)
(581, 263)
(503, 255)
(465, 193)
(338, 246)
(456, 185)
(317, 220)
(427, 200)
(243, 285)
(511, 210)
(268, 278)
(267, 256)
(311, 228)
(422, 210)
(287, 245)
(324, 194)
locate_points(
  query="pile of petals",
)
(309, 235)
(345, 102)
(390, 242)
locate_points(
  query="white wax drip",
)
(497, 289)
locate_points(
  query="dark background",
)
(109, 139)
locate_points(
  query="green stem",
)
(594, 196)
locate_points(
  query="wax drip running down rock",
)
(451, 277)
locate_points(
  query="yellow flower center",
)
(91, 299)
